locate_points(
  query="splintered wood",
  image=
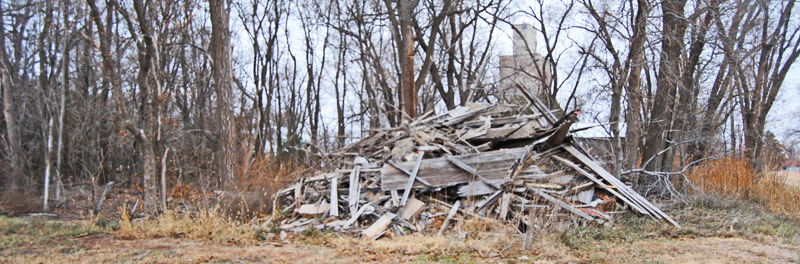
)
(496, 163)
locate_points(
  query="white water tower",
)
(524, 34)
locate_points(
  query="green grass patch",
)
(16, 233)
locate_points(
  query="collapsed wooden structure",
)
(497, 163)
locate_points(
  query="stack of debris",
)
(500, 162)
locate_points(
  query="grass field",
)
(716, 229)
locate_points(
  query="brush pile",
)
(498, 163)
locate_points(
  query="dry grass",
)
(255, 184)
(729, 175)
(19, 203)
(781, 197)
(205, 224)
(732, 176)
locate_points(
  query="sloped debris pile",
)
(497, 163)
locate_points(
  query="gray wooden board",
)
(476, 188)
(566, 206)
(622, 187)
(602, 184)
(441, 173)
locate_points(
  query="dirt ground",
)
(105, 248)
(715, 231)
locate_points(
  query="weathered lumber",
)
(603, 185)
(566, 206)
(102, 197)
(440, 172)
(471, 170)
(622, 187)
(412, 208)
(334, 196)
(355, 190)
(395, 198)
(411, 178)
(313, 209)
(379, 227)
(298, 194)
(354, 217)
(476, 188)
(504, 203)
(482, 204)
(420, 180)
(450, 215)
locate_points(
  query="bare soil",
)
(105, 248)
(725, 231)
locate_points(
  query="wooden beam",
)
(504, 204)
(412, 208)
(603, 185)
(377, 229)
(420, 180)
(439, 172)
(566, 206)
(471, 171)
(355, 189)
(411, 178)
(622, 187)
(334, 197)
(450, 215)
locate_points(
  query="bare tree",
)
(222, 74)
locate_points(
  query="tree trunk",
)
(407, 76)
(62, 99)
(659, 127)
(16, 181)
(633, 116)
(222, 74)
(110, 76)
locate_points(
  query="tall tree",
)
(9, 82)
(400, 16)
(222, 75)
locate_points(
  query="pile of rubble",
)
(497, 163)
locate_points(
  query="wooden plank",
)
(622, 187)
(412, 208)
(543, 185)
(467, 212)
(377, 229)
(354, 192)
(472, 171)
(566, 206)
(504, 204)
(411, 178)
(476, 188)
(298, 194)
(459, 118)
(408, 173)
(441, 173)
(488, 200)
(603, 185)
(313, 209)
(334, 196)
(395, 198)
(354, 217)
(508, 120)
(450, 215)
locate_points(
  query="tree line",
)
(196, 92)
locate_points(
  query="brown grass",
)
(19, 203)
(255, 185)
(733, 176)
(205, 224)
